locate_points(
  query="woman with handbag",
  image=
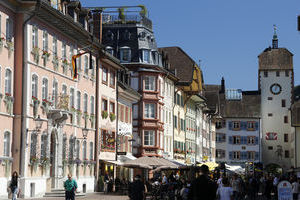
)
(14, 185)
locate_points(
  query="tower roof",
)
(275, 59)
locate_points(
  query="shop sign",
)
(285, 191)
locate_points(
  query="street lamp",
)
(38, 125)
(85, 132)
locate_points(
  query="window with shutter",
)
(230, 125)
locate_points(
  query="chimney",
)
(222, 85)
(97, 19)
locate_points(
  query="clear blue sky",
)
(227, 35)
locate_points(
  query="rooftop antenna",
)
(275, 38)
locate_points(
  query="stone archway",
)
(56, 122)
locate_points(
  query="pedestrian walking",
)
(236, 187)
(13, 186)
(225, 192)
(70, 186)
(202, 187)
(295, 188)
(136, 190)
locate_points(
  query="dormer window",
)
(110, 50)
(154, 57)
(125, 54)
(146, 55)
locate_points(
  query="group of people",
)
(204, 186)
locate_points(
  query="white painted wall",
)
(276, 123)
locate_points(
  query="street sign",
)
(121, 153)
(285, 191)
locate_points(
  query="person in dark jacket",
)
(14, 185)
(136, 189)
(202, 187)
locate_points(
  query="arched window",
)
(7, 81)
(91, 150)
(64, 146)
(33, 144)
(84, 150)
(6, 142)
(44, 145)
(77, 149)
(85, 103)
(45, 89)
(34, 86)
(86, 65)
(71, 148)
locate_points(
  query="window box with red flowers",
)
(8, 100)
(10, 47)
(45, 55)
(45, 106)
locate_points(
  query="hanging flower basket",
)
(55, 62)
(85, 117)
(92, 120)
(33, 162)
(46, 55)
(36, 54)
(8, 100)
(79, 113)
(65, 65)
(112, 116)
(2, 39)
(104, 114)
(35, 104)
(10, 47)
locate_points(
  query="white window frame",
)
(85, 102)
(150, 111)
(9, 29)
(64, 50)
(149, 138)
(35, 36)
(54, 46)
(6, 144)
(150, 83)
(8, 81)
(34, 85)
(45, 84)
(91, 151)
(64, 89)
(45, 40)
(55, 91)
(109, 50)
(84, 150)
(146, 59)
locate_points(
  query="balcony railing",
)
(128, 19)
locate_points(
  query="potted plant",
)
(79, 113)
(92, 120)
(85, 117)
(35, 104)
(55, 62)
(104, 114)
(10, 47)
(8, 100)
(65, 65)
(112, 116)
(35, 53)
(45, 162)
(45, 55)
(33, 162)
(46, 105)
(2, 39)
